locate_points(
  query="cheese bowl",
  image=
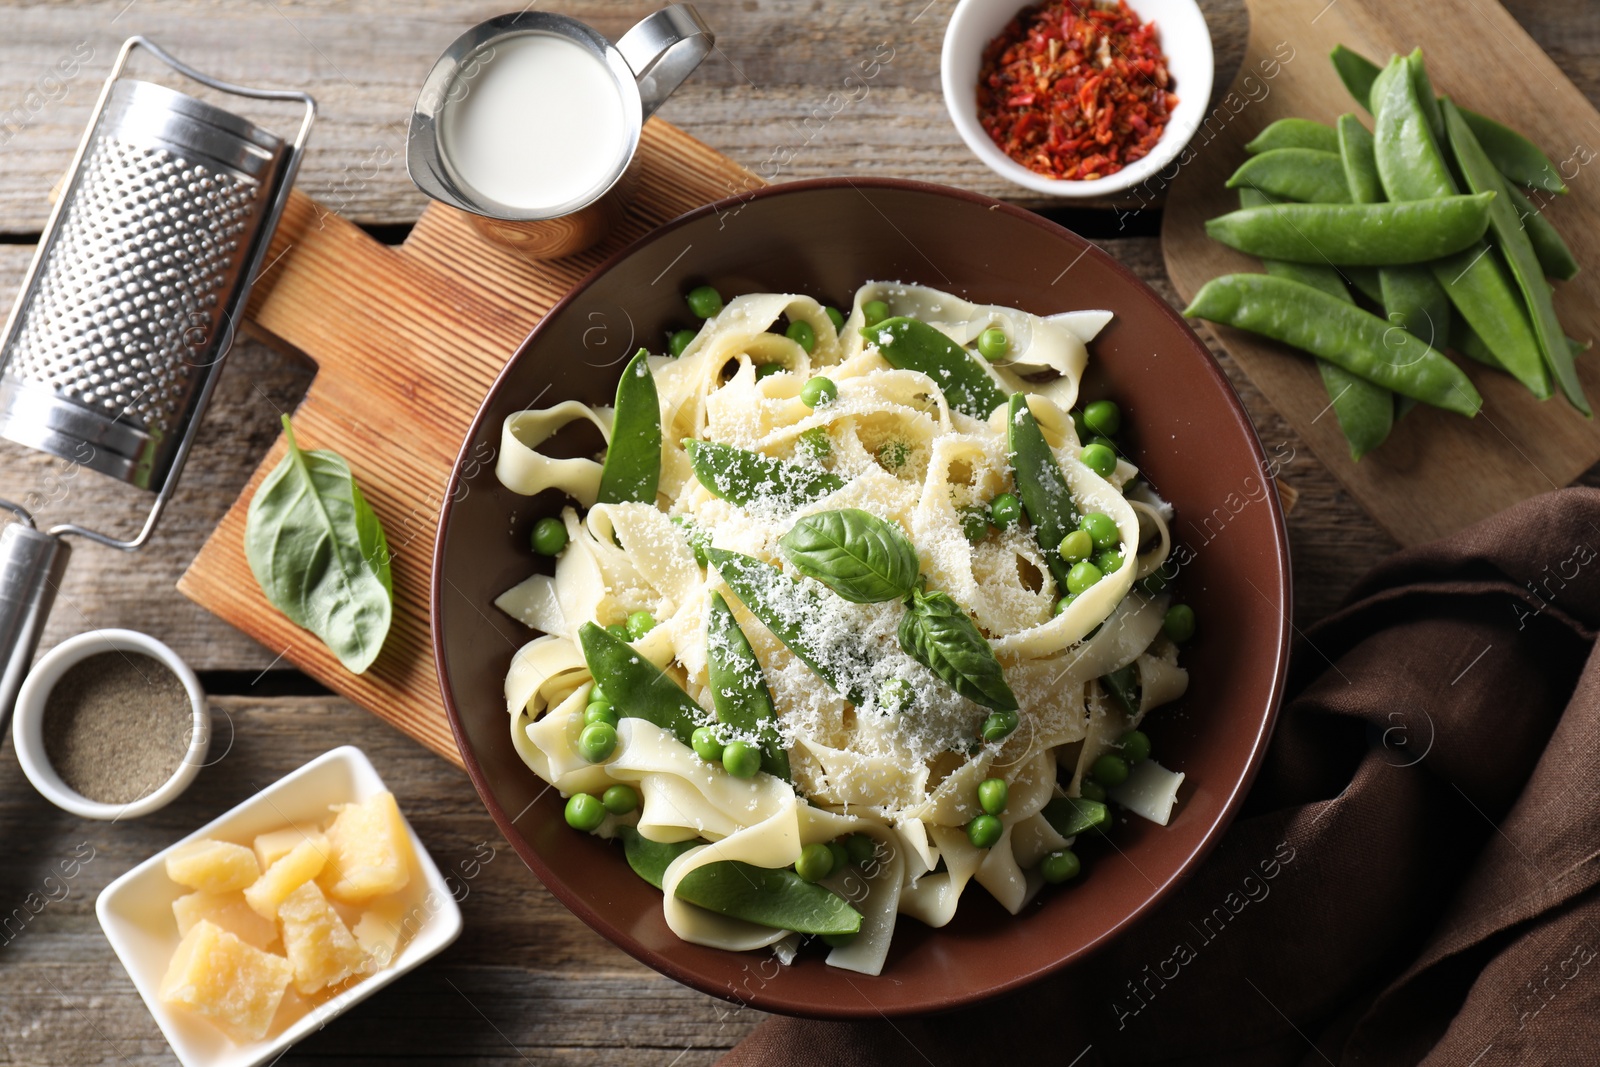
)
(1190, 434)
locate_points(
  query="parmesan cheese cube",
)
(272, 847)
(320, 949)
(379, 931)
(301, 864)
(371, 851)
(227, 910)
(218, 976)
(213, 866)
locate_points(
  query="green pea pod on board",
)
(637, 688)
(738, 688)
(1294, 133)
(1041, 486)
(1358, 235)
(1423, 85)
(742, 477)
(1339, 332)
(1481, 175)
(1554, 255)
(1307, 175)
(1366, 281)
(1464, 340)
(1360, 164)
(1412, 167)
(910, 344)
(779, 898)
(1516, 157)
(783, 606)
(632, 469)
(650, 859)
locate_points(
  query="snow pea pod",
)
(1041, 485)
(1356, 71)
(742, 477)
(1481, 175)
(636, 687)
(1308, 175)
(1071, 816)
(910, 344)
(1358, 341)
(1365, 279)
(650, 859)
(1359, 162)
(1412, 166)
(1294, 133)
(632, 469)
(1360, 235)
(779, 898)
(784, 606)
(1554, 255)
(738, 689)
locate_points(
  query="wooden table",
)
(527, 982)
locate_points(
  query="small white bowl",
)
(1184, 38)
(27, 726)
(136, 910)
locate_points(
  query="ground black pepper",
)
(117, 726)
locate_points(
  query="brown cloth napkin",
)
(1416, 860)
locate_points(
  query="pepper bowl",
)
(1183, 426)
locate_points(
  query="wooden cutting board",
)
(407, 340)
(1438, 472)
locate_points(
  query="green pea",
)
(620, 799)
(1099, 458)
(679, 341)
(1005, 511)
(1179, 623)
(815, 862)
(802, 334)
(585, 812)
(1108, 561)
(705, 744)
(1103, 416)
(1065, 602)
(992, 795)
(549, 537)
(741, 759)
(600, 711)
(704, 302)
(1082, 577)
(1077, 546)
(1061, 866)
(1000, 725)
(818, 391)
(767, 370)
(1109, 770)
(975, 522)
(861, 849)
(985, 831)
(1092, 790)
(841, 857)
(598, 695)
(640, 623)
(1101, 528)
(597, 741)
(619, 631)
(1135, 745)
(1153, 583)
(835, 316)
(993, 344)
(894, 454)
(874, 311)
(896, 694)
(816, 442)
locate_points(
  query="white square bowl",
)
(136, 909)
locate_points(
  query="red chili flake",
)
(1075, 90)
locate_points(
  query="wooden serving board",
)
(407, 341)
(1438, 472)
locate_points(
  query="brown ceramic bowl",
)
(1187, 431)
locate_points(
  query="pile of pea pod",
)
(1425, 218)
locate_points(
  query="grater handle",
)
(31, 565)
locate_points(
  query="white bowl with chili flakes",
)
(1146, 90)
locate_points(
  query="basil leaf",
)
(318, 551)
(859, 556)
(632, 469)
(937, 633)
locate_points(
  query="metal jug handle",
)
(663, 50)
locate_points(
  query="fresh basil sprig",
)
(937, 633)
(318, 551)
(858, 555)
